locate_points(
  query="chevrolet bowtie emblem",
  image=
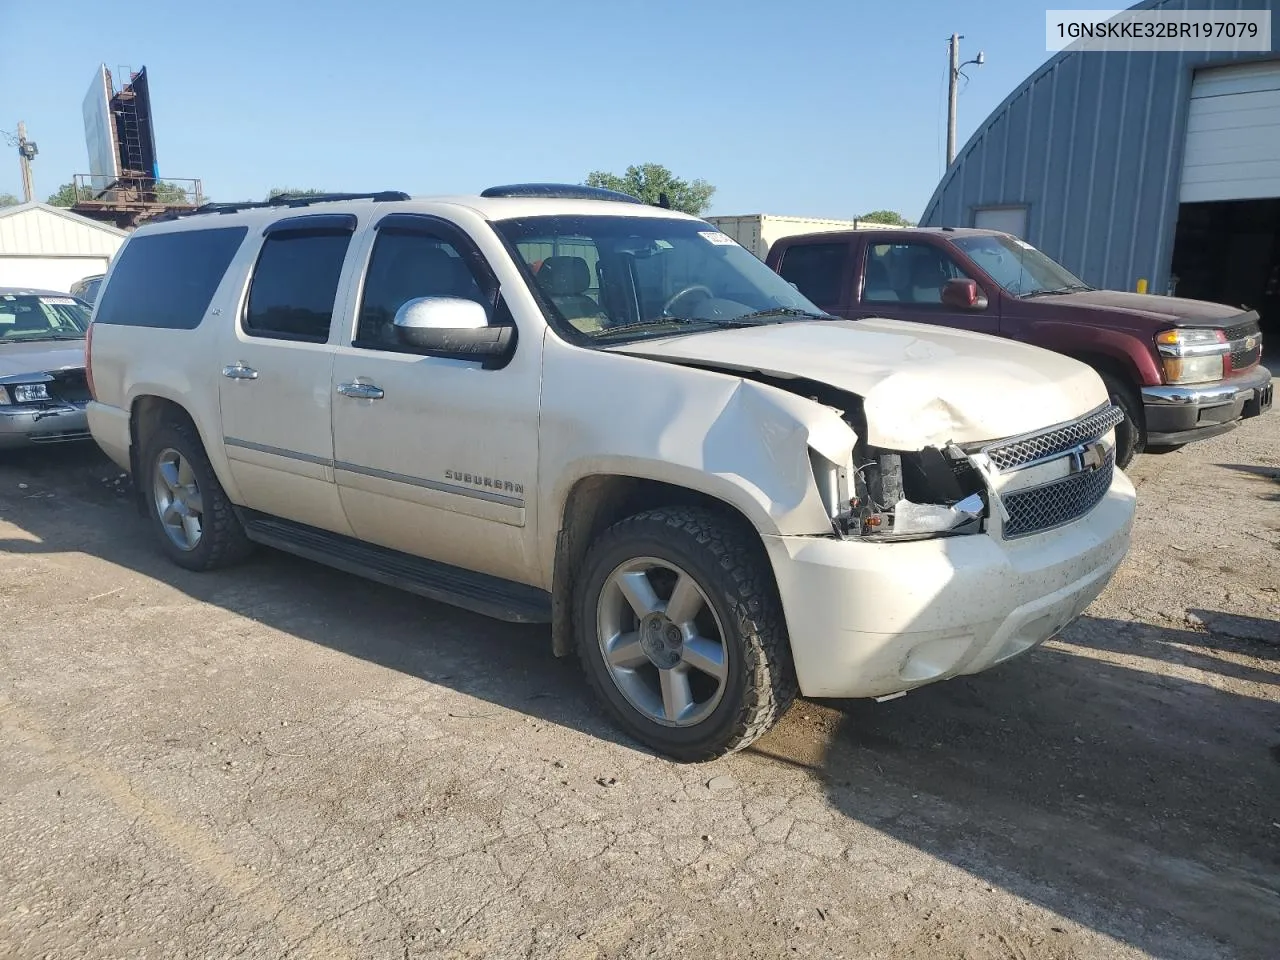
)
(1250, 342)
(1086, 457)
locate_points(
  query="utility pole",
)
(954, 74)
(26, 151)
(953, 90)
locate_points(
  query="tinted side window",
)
(168, 279)
(816, 269)
(907, 273)
(403, 267)
(295, 284)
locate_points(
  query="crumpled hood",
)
(921, 385)
(40, 356)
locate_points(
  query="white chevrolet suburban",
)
(557, 404)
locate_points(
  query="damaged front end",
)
(905, 495)
(884, 494)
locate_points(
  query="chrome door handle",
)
(238, 371)
(361, 391)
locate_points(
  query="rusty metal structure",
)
(123, 186)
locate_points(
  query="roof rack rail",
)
(284, 200)
(560, 191)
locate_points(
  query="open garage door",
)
(1233, 134)
(1227, 244)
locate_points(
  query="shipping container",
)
(758, 231)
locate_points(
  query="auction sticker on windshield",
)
(718, 238)
(59, 301)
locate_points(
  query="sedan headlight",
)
(1192, 354)
(29, 392)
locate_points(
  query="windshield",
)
(1019, 267)
(617, 279)
(26, 316)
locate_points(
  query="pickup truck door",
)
(273, 369)
(903, 280)
(434, 457)
(821, 269)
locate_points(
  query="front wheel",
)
(681, 633)
(1131, 433)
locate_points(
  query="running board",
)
(478, 592)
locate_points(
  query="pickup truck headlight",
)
(29, 392)
(1192, 354)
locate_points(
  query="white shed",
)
(51, 247)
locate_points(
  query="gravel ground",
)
(278, 761)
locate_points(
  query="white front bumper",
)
(871, 619)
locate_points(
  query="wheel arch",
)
(146, 412)
(596, 502)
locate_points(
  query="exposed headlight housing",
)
(913, 496)
(1193, 354)
(29, 392)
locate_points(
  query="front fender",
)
(742, 442)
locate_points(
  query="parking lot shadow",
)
(1124, 778)
(1126, 798)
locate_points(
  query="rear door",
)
(903, 279)
(821, 270)
(276, 367)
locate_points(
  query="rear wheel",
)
(681, 634)
(1131, 433)
(194, 521)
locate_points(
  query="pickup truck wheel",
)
(194, 521)
(681, 633)
(1131, 435)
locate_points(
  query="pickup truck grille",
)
(1246, 358)
(1239, 331)
(1036, 448)
(1053, 504)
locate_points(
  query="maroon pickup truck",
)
(1180, 369)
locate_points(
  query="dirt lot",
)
(279, 762)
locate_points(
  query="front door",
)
(435, 457)
(904, 281)
(274, 371)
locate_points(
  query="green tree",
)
(174, 194)
(891, 217)
(64, 196)
(294, 192)
(650, 181)
(8, 200)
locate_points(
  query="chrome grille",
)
(1022, 451)
(1053, 504)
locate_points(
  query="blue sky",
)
(810, 108)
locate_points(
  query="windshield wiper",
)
(723, 322)
(56, 336)
(785, 312)
(1055, 291)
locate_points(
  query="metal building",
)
(51, 248)
(1137, 166)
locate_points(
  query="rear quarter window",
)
(817, 270)
(167, 279)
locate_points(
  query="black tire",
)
(1131, 434)
(730, 568)
(222, 541)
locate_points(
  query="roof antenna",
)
(664, 201)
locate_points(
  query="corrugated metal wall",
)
(32, 231)
(1092, 144)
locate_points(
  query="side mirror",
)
(450, 327)
(963, 294)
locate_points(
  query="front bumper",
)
(1180, 414)
(27, 424)
(872, 619)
